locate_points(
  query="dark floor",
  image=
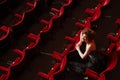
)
(53, 40)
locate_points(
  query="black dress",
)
(95, 61)
(76, 66)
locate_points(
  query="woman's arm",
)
(78, 45)
(86, 53)
(80, 41)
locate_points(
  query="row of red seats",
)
(19, 17)
(34, 41)
(7, 70)
(21, 54)
(58, 67)
(58, 13)
(95, 13)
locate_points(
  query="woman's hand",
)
(81, 37)
(77, 46)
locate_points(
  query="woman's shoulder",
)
(91, 47)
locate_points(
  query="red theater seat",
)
(19, 20)
(62, 65)
(55, 10)
(19, 59)
(50, 74)
(67, 2)
(70, 39)
(57, 55)
(48, 25)
(34, 40)
(110, 36)
(6, 31)
(87, 23)
(92, 74)
(44, 21)
(31, 5)
(110, 48)
(95, 13)
(58, 13)
(60, 56)
(6, 73)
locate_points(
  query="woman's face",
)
(85, 38)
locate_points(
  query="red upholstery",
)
(34, 40)
(44, 21)
(48, 25)
(56, 69)
(6, 30)
(5, 75)
(91, 74)
(18, 15)
(95, 13)
(50, 74)
(60, 56)
(21, 17)
(58, 13)
(57, 55)
(114, 38)
(104, 2)
(112, 62)
(33, 36)
(94, 75)
(76, 38)
(55, 10)
(118, 46)
(32, 5)
(62, 65)
(89, 11)
(19, 59)
(68, 2)
(110, 48)
(118, 33)
(44, 75)
(87, 23)
(70, 39)
(117, 21)
(68, 49)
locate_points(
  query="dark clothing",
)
(75, 67)
(95, 61)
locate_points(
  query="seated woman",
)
(87, 58)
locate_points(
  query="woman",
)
(84, 57)
(87, 58)
(87, 36)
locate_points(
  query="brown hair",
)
(90, 34)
